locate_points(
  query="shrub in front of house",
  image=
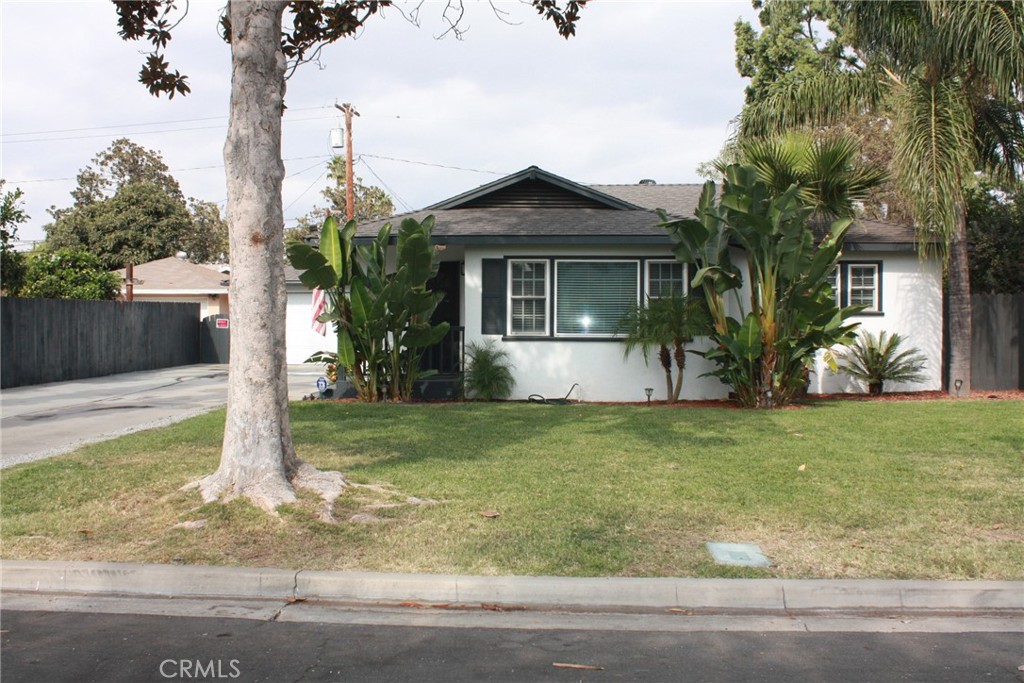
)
(878, 359)
(489, 372)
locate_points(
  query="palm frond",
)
(893, 32)
(999, 137)
(985, 37)
(819, 100)
(826, 171)
(877, 359)
(934, 156)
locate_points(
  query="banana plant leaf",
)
(346, 350)
(314, 270)
(330, 246)
(417, 256)
(427, 335)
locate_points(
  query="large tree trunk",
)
(258, 460)
(958, 284)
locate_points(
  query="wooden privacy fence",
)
(997, 354)
(50, 340)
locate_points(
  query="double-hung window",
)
(591, 297)
(666, 279)
(857, 284)
(862, 286)
(528, 297)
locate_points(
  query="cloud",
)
(645, 89)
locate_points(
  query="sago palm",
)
(878, 359)
(952, 74)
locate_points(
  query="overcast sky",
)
(646, 89)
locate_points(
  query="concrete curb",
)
(528, 591)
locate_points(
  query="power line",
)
(146, 132)
(135, 125)
(171, 170)
(427, 163)
(291, 175)
(381, 181)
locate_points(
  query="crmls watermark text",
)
(196, 669)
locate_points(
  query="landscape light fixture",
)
(957, 384)
(648, 391)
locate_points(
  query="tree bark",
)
(666, 363)
(258, 459)
(680, 357)
(958, 283)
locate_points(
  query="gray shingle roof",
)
(628, 218)
(678, 200)
(522, 225)
(681, 200)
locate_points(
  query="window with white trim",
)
(591, 297)
(858, 284)
(862, 285)
(528, 297)
(665, 279)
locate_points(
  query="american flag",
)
(319, 304)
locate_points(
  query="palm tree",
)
(952, 74)
(878, 359)
(668, 323)
(826, 169)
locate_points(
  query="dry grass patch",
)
(837, 490)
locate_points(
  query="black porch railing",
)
(447, 355)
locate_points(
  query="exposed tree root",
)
(271, 490)
(327, 484)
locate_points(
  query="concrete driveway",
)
(48, 419)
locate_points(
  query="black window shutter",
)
(492, 305)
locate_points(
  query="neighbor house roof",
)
(535, 206)
(173, 275)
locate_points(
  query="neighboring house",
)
(546, 267)
(175, 279)
(302, 341)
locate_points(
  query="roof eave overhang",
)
(177, 292)
(879, 246)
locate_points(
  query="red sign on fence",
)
(222, 323)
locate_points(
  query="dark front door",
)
(449, 282)
(446, 357)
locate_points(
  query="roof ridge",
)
(640, 185)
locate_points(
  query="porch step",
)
(438, 387)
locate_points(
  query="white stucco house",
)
(544, 266)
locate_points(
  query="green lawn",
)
(844, 489)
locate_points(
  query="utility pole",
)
(350, 199)
(129, 281)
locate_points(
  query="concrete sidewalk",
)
(623, 594)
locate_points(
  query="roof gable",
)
(537, 189)
(534, 206)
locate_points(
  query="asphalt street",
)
(114, 648)
(48, 419)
